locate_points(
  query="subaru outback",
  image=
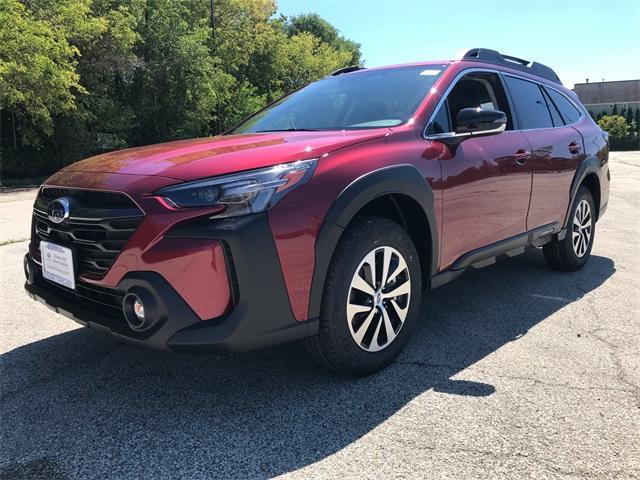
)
(327, 215)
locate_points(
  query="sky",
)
(578, 39)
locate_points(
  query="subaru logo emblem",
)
(58, 210)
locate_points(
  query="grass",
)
(9, 242)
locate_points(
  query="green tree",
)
(38, 77)
(242, 28)
(317, 26)
(177, 84)
(614, 111)
(105, 117)
(86, 76)
(629, 116)
(637, 118)
(305, 58)
(615, 125)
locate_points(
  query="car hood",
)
(205, 157)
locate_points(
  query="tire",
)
(573, 252)
(367, 335)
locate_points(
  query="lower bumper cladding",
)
(261, 316)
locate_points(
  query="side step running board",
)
(485, 256)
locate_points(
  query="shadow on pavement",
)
(78, 405)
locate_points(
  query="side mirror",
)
(472, 122)
(480, 121)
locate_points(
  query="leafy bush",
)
(615, 125)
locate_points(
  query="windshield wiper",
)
(287, 130)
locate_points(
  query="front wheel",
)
(573, 252)
(371, 298)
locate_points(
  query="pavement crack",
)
(618, 364)
(537, 381)
(428, 365)
(630, 164)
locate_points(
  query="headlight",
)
(243, 193)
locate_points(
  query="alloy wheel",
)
(378, 299)
(582, 228)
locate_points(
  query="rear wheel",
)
(572, 252)
(371, 298)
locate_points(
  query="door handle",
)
(522, 156)
(574, 148)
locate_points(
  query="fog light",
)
(138, 308)
(133, 309)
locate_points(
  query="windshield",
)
(366, 99)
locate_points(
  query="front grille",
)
(106, 302)
(98, 228)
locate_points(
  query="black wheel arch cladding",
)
(590, 165)
(403, 180)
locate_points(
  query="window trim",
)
(447, 112)
(551, 105)
(577, 107)
(509, 101)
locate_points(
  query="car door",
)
(486, 180)
(556, 148)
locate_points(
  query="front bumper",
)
(261, 315)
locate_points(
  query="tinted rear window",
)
(568, 110)
(529, 103)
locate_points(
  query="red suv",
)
(324, 216)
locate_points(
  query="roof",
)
(487, 55)
(481, 55)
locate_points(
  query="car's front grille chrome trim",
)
(97, 238)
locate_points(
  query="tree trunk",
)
(13, 124)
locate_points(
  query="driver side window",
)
(474, 90)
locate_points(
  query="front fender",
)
(398, 179)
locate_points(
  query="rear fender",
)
(590, 165)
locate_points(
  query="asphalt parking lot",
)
(516, 371)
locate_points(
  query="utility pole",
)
(13, 125)
(213, 22)
(218, 126)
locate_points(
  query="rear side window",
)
(555, 113)
(529, 103)
(568, 110)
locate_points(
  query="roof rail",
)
(350, 69)
(493, 56)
